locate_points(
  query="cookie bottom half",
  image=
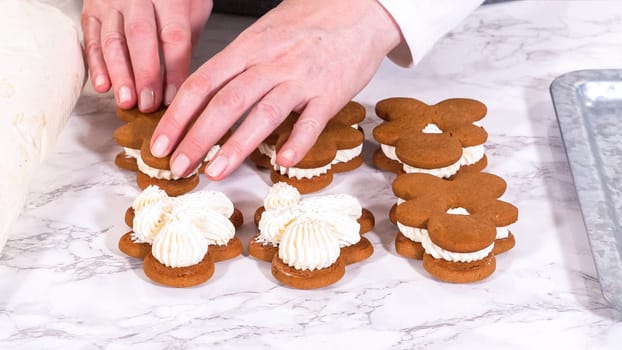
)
(232, 249)
(261, 251)
(407, 247)
(133, 249)
(502, 245)
(459, 272)
(179, 276)
(305, 279)
(357, 252)
(122, 161)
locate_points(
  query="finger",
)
(175, 36)
(142, 43)
(265, 116)
(200, 11)
(305, 132)
(192, 97)
(222, 111)
(117, 59)
(94, 54)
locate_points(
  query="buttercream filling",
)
(211, 153)
(440, 253)
(342, 156)
(422, 236)
(503, 232)
(159, 173)
(131, 152)
(470, 155)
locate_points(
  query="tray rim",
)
(563, 90)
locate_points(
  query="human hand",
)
(307, 56)
(123, 39)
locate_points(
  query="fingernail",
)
(147, 99)
(288, 155)
(125, 94)
(100, 81)
(180, 164)
(170, 93)
(159, 146)
(217, 166)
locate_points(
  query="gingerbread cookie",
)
(130, 136)
(337, 150)
(180, 238)
(453, 226)
(441, 139)
(309, 241)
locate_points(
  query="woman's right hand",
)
(123, 40)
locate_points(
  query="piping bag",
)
(41, 76)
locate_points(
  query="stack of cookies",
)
(136, 156)
(310, 241)
(338, 149)
(448, 212)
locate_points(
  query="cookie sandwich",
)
(338, 149)
(441, 139)
(453, 226)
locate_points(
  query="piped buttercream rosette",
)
(180, 237)
(309, 241)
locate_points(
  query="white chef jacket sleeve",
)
(423, 23)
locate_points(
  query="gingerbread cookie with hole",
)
(338, 149)
(454, 226)
(440, 139)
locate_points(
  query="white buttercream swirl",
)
(307, 244)
(299, 173)
(472, 155)
(179, 244)
(216, 228)
(340, 212)
(149, 195)
(344, 204)
(208, 200)
(148, 221)
(281, 195)
(273, 224)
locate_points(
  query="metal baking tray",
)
(588, 105)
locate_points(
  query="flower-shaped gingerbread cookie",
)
(337, 149)
(309, 241)
(180, 238)
(134, 137)
(440, 139)
(456, 226)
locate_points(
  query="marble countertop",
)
(66, 285)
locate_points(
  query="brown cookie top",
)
(428, 199)
(338, 134)
(132, 134)
(405, 118)
(128, 115)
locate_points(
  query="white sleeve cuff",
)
(423, 23)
